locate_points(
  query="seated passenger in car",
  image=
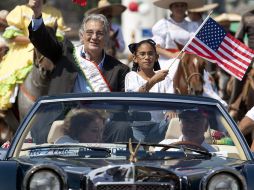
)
(193, 123)
(82, 126)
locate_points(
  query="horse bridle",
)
(188, 78)
(39, 59)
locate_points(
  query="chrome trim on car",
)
(132, 176)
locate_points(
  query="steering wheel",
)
(188, 144)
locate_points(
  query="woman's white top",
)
(250, 113)
(167, 31)
(209, 91)
(133, 81)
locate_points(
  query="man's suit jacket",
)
(65, 71)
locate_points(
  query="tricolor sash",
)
(91, 72)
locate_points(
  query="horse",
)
(245, 100)
(189, 79)
(35, 85)
(6, 131)
(37, 82)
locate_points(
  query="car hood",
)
(178, 166)
(121, 173)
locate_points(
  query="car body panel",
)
(90, 166)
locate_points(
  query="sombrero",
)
(231, 17)
(191, 3)
(105, 8)
(204, 8)
(3, 14)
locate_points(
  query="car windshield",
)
(113, 124)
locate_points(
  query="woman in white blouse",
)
(173, 32)
(146, 75)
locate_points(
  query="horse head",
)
(45, 66)
(37, 82)
(188, 79)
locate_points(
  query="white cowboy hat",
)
(204, 8)
(231, 17)
(105, 8)
(191, 3)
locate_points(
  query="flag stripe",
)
(214, 61)
(214, 54)
(199, 49)
(192, 49)
(244, 54)
(229, 57)
(235, 55)
(220, 60)
(239, 45)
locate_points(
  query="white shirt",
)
(250, 113)
(81, 84)
(167, 31)
(133, 81)
(208, 90)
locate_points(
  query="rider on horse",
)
(18, 62)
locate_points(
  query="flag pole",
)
(199, 28)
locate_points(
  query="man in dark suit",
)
(83, 69)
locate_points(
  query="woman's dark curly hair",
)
(78, 120)
(133, 49)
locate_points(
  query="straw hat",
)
(3, 14)
(204, 8)
(231, 17)
(191, 3)
(105, 8)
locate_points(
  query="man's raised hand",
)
(36, 6)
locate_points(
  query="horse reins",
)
(26, 93)
(188, 78)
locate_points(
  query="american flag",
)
(216, 45)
